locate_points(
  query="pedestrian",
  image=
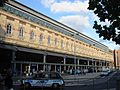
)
(84, 72)
(8, 80)
(71, 71)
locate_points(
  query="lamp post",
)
(74, 49)
(115, 58)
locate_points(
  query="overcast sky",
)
(73, 13)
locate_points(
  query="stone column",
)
(106, 64)
(55, 68)
(99, 65)
(95, 67)
(37, 67)
(78, 62)
(21, 69)
(44, 61)
(75, 62)
(13, 60)
(64, 62)
(88, 62)
(60, 68)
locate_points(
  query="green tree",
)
(2, 2)
(107, 10)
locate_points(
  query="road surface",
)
(99, 83)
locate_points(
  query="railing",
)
(101, 83)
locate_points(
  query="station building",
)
(30, 40)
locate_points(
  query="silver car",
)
(44, 79)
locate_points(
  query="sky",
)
(73, 13)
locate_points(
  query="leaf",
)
(110, 10)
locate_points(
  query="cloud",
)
(78, 22)
(47, 3)
(112, 45)
(66, 5)
(74, 13)
(73, 7)
(95, 17)
(101, 40)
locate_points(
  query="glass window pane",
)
(9, 29)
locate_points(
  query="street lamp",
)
(74, 48)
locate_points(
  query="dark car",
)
(44, 79)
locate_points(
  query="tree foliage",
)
(107, 10)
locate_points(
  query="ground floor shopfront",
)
(23, 60)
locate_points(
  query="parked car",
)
(104, 73)
(44, 79)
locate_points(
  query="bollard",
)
(118, 84)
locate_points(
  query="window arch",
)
(71, 46)
(48, 39)
(32, 35)
(41, 37)
(56, 40)
(62, 44)
(67, 44)
(9, 28)
(21, 31)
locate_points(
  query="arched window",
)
(71, 46)
(21, 30)
(32, 35)
(56, 41)
(48, 39)
(62, 44)
(9, 28)
(41, 37)
(67, 44)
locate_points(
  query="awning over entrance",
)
(30, 50)
(24, 49)
(48, 53)
(40, 51)
(10, 47)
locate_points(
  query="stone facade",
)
(21, 26)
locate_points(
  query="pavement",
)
(72, 80)
(110, 89)
(87, 75)
(83, 80)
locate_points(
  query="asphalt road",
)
(99, 83)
